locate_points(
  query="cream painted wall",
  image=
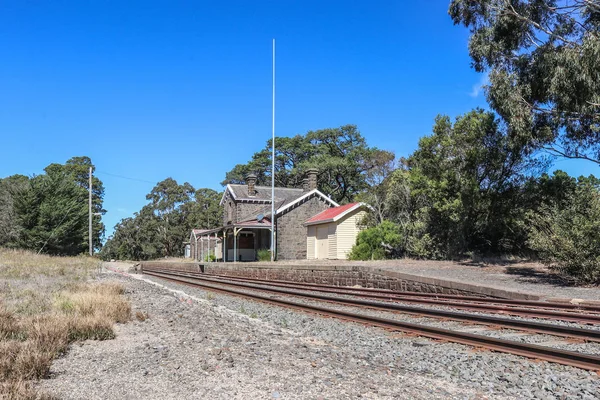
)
(310, 242)
(341, 238)
(347, 231)
(332, 241)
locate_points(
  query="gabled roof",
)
(263, 194)
(284, 197)
(334, 214)
(305, 196)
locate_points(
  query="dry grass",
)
(20, 264)
(141, 316)
(21, 390)
(45, 307)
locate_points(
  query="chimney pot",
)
(311, 174)
(305, 185)
(251, 181)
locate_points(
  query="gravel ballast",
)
(217, 346)
(193, 348)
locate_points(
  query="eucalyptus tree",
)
(162, 226)
(543, 61)
(341, 155)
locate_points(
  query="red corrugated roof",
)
(331, 213)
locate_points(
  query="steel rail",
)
(571, 358)
(557, 330)
(510, 302)
(437, 296)
(487, 308)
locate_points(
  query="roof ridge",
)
(269, 187)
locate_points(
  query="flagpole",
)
(273, 166)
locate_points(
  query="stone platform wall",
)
(345, 275)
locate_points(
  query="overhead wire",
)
(125, 177)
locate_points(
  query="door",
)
(322, 242)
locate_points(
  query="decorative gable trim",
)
(241, 200)
(301, 199)
(227, 190)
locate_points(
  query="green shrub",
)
(264, 255)
(422, 247)
(567, 236)
(372, 243)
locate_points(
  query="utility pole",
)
(273, 167)
(90, 216)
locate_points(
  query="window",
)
(230, 212)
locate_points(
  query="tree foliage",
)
(458, 192)
(162, 226)
(341, 155)
(470, 189)
(10, 188)
(566, 232)
(371, 243)
(469, 174)
(49, 212)
(543, 58)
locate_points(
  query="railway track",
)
(531, 309)
(404, 294)
(272, 294)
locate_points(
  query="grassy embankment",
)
(46, 303)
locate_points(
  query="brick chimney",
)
(305, 185)
(251, 181)
(311, 175)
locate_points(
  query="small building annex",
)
(332, 233)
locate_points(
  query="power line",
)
(58, 226)
(125, 177)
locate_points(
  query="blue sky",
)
(182, 89)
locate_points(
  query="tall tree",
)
(341, 156)
(543, 58)
(50, 211)
(205, 212)
(78, 169)
(162, 226)
(166, 199)
(52, 215)
(470, 172)
(10, 188)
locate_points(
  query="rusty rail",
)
(541, 312)
(371, 292)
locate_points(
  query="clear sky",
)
(182, 89)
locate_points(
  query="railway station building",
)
(246, 228)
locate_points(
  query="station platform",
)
(508, 280)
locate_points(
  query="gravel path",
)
(526, 279)
(212, 346)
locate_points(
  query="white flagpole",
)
(273, 167)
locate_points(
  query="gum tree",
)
(543, 61)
